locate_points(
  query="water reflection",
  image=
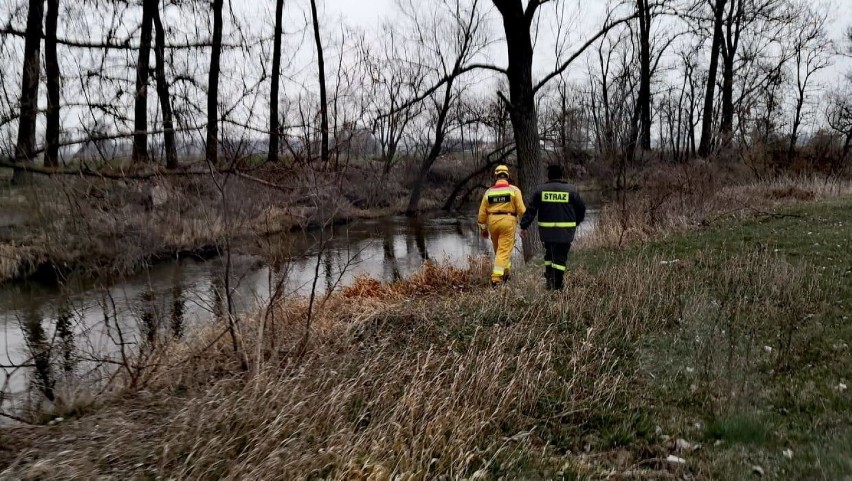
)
(39, 347)
(93, 323)
(65, 338)
(177, 310)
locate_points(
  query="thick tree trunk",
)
(417, 189)
(25, 145)
(710, 93)
(797, 122)
(522, 109)
(644, 97)
(213, 86)
(323, 97)
(163, 92)
(140, 119)
(726, 128)
(274, 128)
(51, 64)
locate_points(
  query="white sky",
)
(583, 16)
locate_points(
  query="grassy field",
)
(755, 362)
(721, 353)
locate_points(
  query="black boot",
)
(558, 279)
(549, 277)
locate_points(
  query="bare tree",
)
(274, 121)
(718, 9)
(163, 92)
(744, 18)
(324, 157)
(140, 118)
(53, 73)
(839, 116)
(811, 48)
(25, 148)
(518, 22)
(393, 79)
(643, 102)
(213, 86)
(451, 61)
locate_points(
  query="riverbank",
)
(112, 228)
(706, 350)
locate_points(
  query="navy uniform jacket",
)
(560, 209)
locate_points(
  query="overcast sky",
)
(584, 17)
(368, 14)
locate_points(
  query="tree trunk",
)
(25, 145)
(274, 128)
(710, 93)
(140, 119)
(563, 122)
(213, 86)
(323, 98)
(797, 122)
(434, 152)
(51, 63)
(522, 110)
(417, 188)
(726, 128)
(163, 92)
(644, 98)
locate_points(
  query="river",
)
(87, 318)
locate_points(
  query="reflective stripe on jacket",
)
(501, 199)
(559, 208)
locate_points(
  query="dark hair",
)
(554, 172)
(503, 175)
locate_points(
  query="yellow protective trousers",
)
(502, 228)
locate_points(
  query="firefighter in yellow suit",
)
(501, 207)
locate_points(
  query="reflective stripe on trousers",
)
(555, 263)
(557, 224)
(502, 230)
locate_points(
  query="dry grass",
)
(439, 377)
(674, 201)
(115, 227)
(432, 278)
(434, 376)
(15, 261)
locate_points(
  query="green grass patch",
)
(755, 361)
(743, 428)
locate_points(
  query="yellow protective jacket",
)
(501, 199)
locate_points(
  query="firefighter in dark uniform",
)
(560, 210)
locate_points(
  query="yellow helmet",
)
(501, 169)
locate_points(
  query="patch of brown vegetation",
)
(432, 278)
(673, 201)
